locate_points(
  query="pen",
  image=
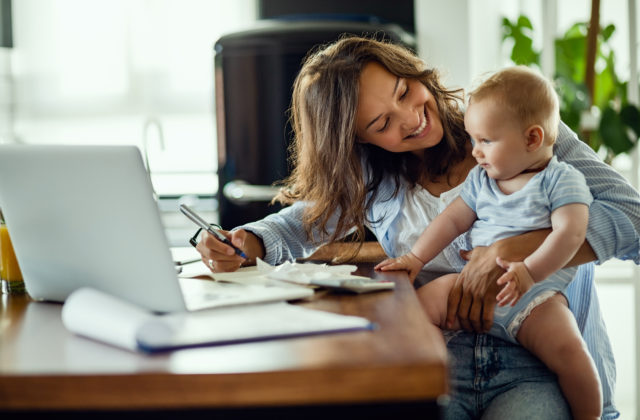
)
(204, 225)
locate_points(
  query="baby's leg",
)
(551, 333)
(433, 297)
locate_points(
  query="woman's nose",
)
(411, 118)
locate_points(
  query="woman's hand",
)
(220, 257)
(408, 262)
(473, 297)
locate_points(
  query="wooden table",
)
(402, 363)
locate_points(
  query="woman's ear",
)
(534, 137)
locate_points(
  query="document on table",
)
(335, 277)
(105, 318)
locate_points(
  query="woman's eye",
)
(406, 91)
(384, 127)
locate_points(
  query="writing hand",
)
(217, 255)
(473, 297)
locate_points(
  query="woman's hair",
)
(526, 94)
(326, 157)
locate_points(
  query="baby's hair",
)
(529, 96)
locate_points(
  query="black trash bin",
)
(254, 74)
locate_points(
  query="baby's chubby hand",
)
(516, 281)
(407, 262)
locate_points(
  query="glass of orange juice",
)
(9, 269)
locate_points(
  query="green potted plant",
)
(604, 119)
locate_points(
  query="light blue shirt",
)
(503, 215)
(613, 232)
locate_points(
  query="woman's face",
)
(398, 115)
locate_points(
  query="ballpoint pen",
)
(206, 226)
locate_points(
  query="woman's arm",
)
(614, 215)
(473, 297)
(569, 225)
(277, 238)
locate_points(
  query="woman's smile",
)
(396, 114)
(421, 130)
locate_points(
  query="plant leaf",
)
(614, 132)
(630, 116)
(608, 31)
(524, 22)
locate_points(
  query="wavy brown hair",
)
(326, 157)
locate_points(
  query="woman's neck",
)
(456, 175)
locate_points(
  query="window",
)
(120, 71)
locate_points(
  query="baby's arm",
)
(569, 227)
(456, 219)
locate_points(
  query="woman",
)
(379, 142)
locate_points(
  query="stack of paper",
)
(336, 277)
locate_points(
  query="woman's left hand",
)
(473, 296)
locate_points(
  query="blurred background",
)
(159, 74)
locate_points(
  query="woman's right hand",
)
(220, 257)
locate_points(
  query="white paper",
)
(242, 323)
(204, 294)
(288, 272)
(102, 317)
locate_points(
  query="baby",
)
(519, 186)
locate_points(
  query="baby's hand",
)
(408, 262)
(517, 281)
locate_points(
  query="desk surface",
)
(43, 366)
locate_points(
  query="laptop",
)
(85, 216)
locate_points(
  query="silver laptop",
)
(85, 216)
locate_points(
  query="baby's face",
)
(500, 142)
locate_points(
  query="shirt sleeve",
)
(471, 186)
(283, 234)
(567, 186)
(614, 215)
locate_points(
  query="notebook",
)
(85, 216)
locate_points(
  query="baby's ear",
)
(534, 137)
